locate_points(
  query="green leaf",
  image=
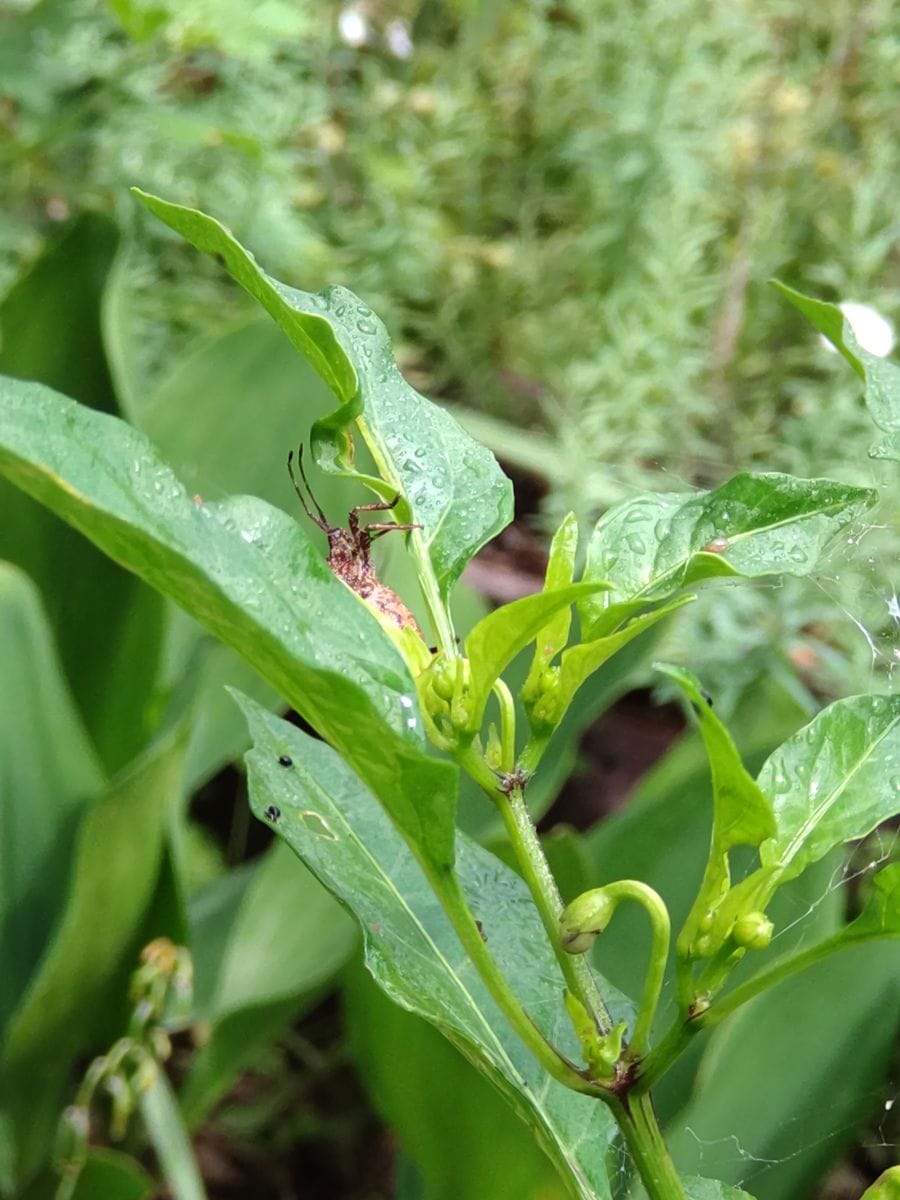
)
(170, 1140)
(742, 813)
(831, 782)
(329, 820)
(880, 376)
(250, 574)
(442, 1128)
(116, 862)
(452, 486)
(107, 625)
(579, 662)
(48, 774)
(834, 781)
(502, 634)
(111, 1175)
(268, 960)
(885, 1187)
(653, 545)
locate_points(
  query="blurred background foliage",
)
(566, 213)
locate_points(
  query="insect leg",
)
(321, 520)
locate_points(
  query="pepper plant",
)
(489, 954)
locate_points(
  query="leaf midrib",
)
(503, 1056)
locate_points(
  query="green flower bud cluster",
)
(445, 697)
(750, 931)
(543, 700)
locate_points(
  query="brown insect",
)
(348, 550)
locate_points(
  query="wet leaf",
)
(579, 662)
(251, 575)
(655, 544)
(502, 634)
(451, 485)
(833, 781)
(880, 376)
(331, 823)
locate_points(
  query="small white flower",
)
(874, 332)
(353, 28)
(398, 40)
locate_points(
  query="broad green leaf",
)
(742, 813)
(651, 546)
(116, 856)
(48, 774)
(497, 638)
(50, 319)
(885, 1187)
(268, 959)
(250, 574)
(111, 1175)
(834, 781)
(171, 1143)
(880, 376)
(107, 624)
(831, 782)
(768, 1074)
(451, 485)
(442, 1128)
(330, 821)
(253, 373)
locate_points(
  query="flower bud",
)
(753, 931)
(586, 917)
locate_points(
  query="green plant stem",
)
(539, 878)
(438, 611)
(660, 927)
(768, 978)
(447, 889)
(664, 1053)
(641, 1131)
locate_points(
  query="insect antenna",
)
(321, 520)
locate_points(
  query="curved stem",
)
(660, 931)
(448, 891)
(770, 976)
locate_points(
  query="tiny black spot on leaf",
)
(272, 813)
(285, 760)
